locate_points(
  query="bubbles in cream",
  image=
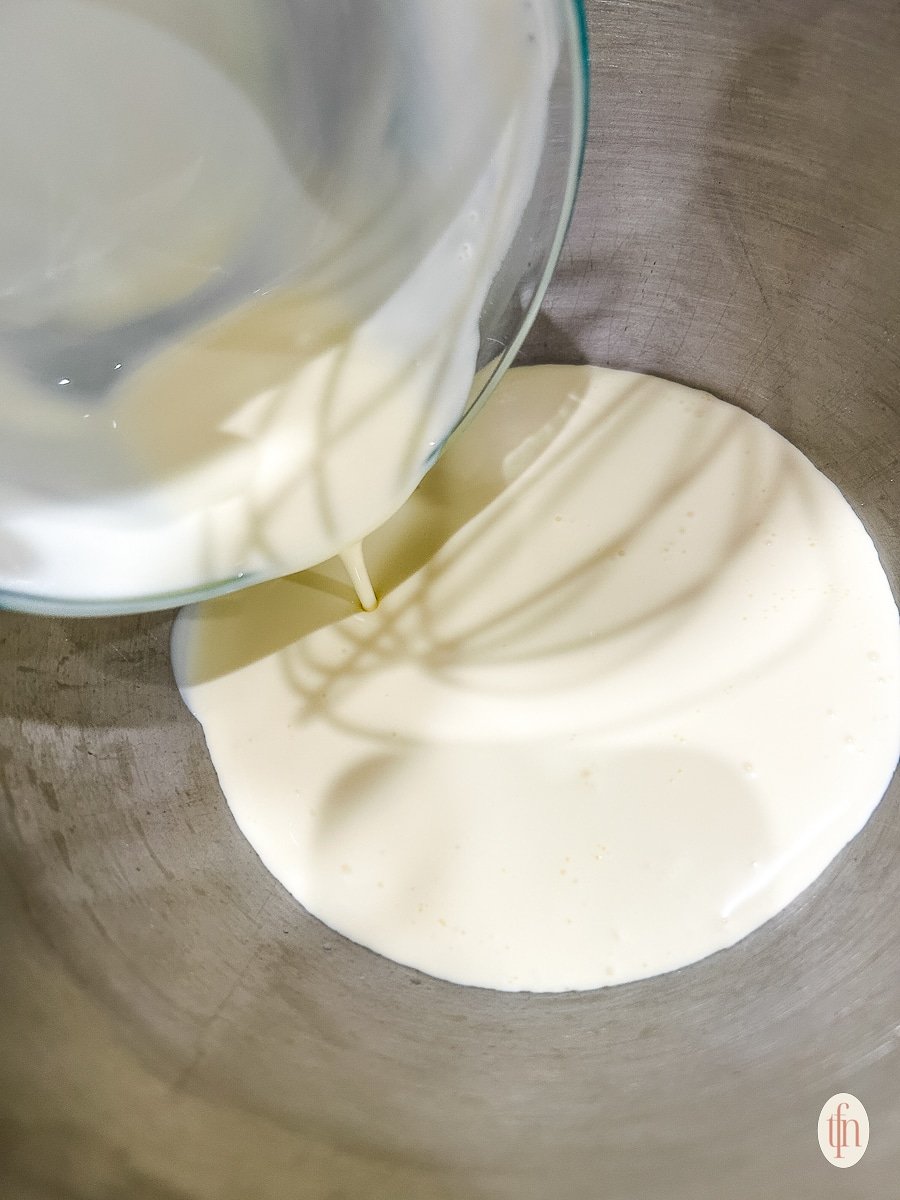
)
(631, 686)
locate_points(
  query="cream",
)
(631, 686)
(238, 314)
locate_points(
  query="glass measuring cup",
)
(251, 260)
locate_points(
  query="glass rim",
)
(579, 51)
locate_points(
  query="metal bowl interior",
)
(173, 1028)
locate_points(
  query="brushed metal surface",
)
(173, 1027)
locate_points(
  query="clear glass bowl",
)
(110, 259)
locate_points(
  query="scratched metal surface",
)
(173, 1027)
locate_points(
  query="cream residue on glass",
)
(239, 359)
(631, 686)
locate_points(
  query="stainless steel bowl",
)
(173, 1027)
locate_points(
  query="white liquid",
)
(321, 243)
(632, 684)
(355, 565)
